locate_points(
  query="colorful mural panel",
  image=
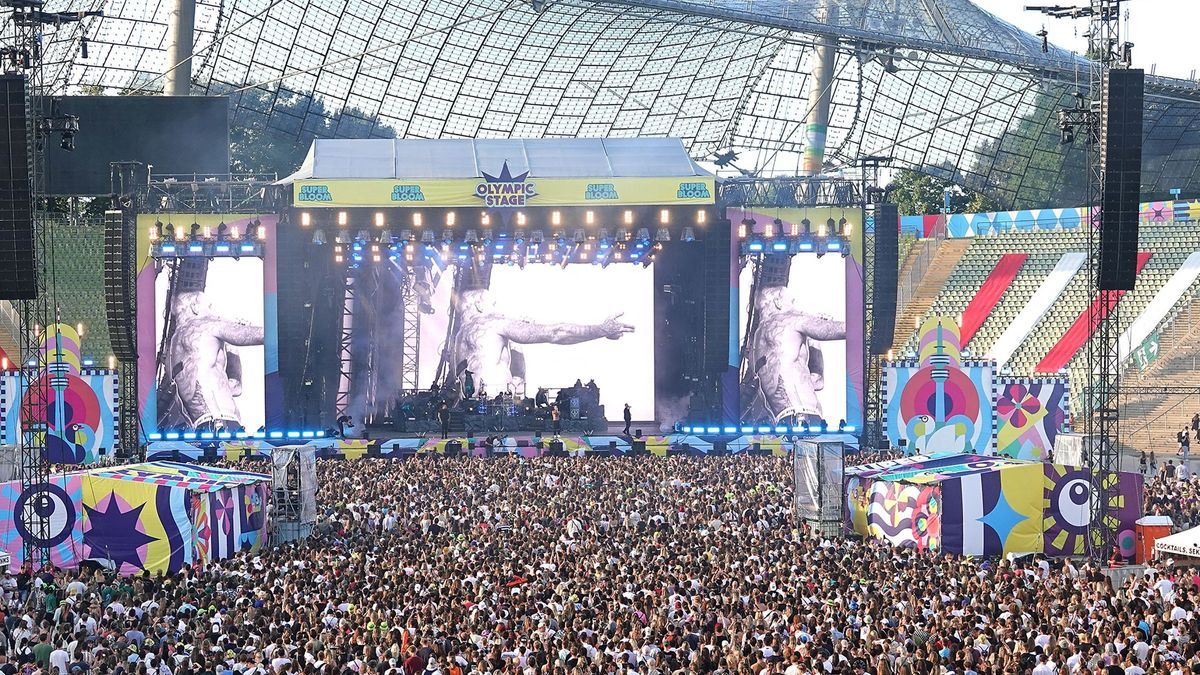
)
(149, 517)
(1067, 494)
(940, 403)
(903, 514)
(1029, 415)
(81, 402)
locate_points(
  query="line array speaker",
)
(887, 264)
(717, 292)
(18, 268)
(1121, 174)
(120, 228)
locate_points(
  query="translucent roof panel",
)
(940, 85)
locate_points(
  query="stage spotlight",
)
(160, 231)
(519, 237)
(305, 218)
(845, 250)
(643, 236)
(537, 237)
(427, 237)
(447, 237)
(628, 217)
(604, 238)
(343, 218)
(260, 230)
(841, 425)
(807, 225)
(689, 234)
(663, 234)
(589, 217)
(664, 216)
(623, 234)
(821, 247)
(472, 237)
(385, 236)
(319, 237)
(828, 227)
(222, 231)
(701, 217)
(363, 236)
(487, 237)
(417, 220)
(405, 236)
(580, 236)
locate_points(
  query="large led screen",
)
(794, 325)
(545, 326)
(209, 338)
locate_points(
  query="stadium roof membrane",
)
(940, 85)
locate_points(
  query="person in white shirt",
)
(1044, 667)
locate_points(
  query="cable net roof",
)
(940, 85)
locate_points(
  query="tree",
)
(258, 144)
(915, 193)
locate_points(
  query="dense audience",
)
(565, 566)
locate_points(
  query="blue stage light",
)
(89, 362)
(806, 246)
(222, 248)
(240, 435)
(714, 430)
(224, 435)
(189, 435)
(195, 248)
(293, 434)
(276, 434)
(849, 429)
(747, 430)
(779, 246)
(834, 246)
(797, 430)
(208, 435)
(168, 248)
(764, 430)
(781, 430)
(730, 430)
(320, 434)
(172, 435)
(686, 430)
(260, 434)
(155, 437)
(306, 434)
(756, 247)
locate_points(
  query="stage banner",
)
(503, 191)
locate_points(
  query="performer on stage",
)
(443, 415)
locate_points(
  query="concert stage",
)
(398, 276)
(522, 445)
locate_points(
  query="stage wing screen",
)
(209, 336)
(793, 317)
(547, 326)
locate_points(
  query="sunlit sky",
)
(1163, 31)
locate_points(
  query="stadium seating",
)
(1169, 245)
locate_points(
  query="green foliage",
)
(260, 142)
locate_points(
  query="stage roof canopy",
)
(412, 159)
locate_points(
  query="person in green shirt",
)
(41, 652)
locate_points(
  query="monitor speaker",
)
(887, 264)
(18, 268)
(1121, 177)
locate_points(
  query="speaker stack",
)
(1121, 177)
(18, 267)
(887, 264)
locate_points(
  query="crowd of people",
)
(559, 566)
